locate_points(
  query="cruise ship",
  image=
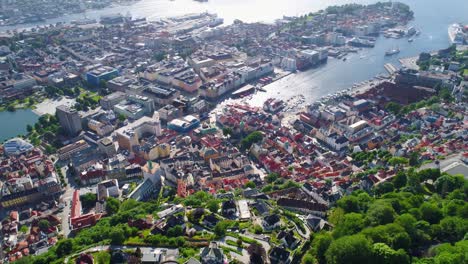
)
(456, 35)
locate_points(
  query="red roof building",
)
(85, 221)
(76, 204)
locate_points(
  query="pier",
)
(390, 68)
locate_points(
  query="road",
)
(244, 258)
(66, 197)
(144, 250)
(305, 235)
(442, 163)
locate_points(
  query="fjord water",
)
(432, 17)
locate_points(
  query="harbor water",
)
(432, 18)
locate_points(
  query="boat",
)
(392, 52)
(83, 22)
(410, 40)
(360, 42)
(344, 59)
(112, 19)
(456, 35)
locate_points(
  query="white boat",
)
(392, 52)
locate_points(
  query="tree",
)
(103, 83)
(175, 231)
(76, 90)
(451, 254)
(408, 222)
(29, 128)
(395, 161)
(349, 204)
(400, 180)
(38, 127)
(221, 228)
(227, 131)
(448, 183)
(250, 184)
(24, 229)
(239, 242)
(64, 247)
(102, 257)
(453, 228)
(196, 215)
(257, 229)
(431, 213)
(336, 216)
(117, 236)
(351, 224)
(128, 204)
(380, 214)
(112, 205)
(272, 177)
(159, 56)
(138, 253)
(49, 149)
(354, 249)
(88, 200)
(26, 260)
(429, 174)
(414, 159)
(31, 101)
(384, 187)
(308, 259)
(384, 254)
(445, 94)
(11, 108)
(320, 245)
(393, 108)
(122, 117)
(43, 224)
(213, 206)
(252, 138)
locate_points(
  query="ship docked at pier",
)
(392, 52)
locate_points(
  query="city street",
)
(66, 198)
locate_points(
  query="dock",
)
(247, 89)
(391, 69)
(410, 62)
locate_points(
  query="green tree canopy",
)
(380, 214)
(354, 249)
(431, 213)
(252, 138)
(117, 236)
(383, 254)
(112, 205)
